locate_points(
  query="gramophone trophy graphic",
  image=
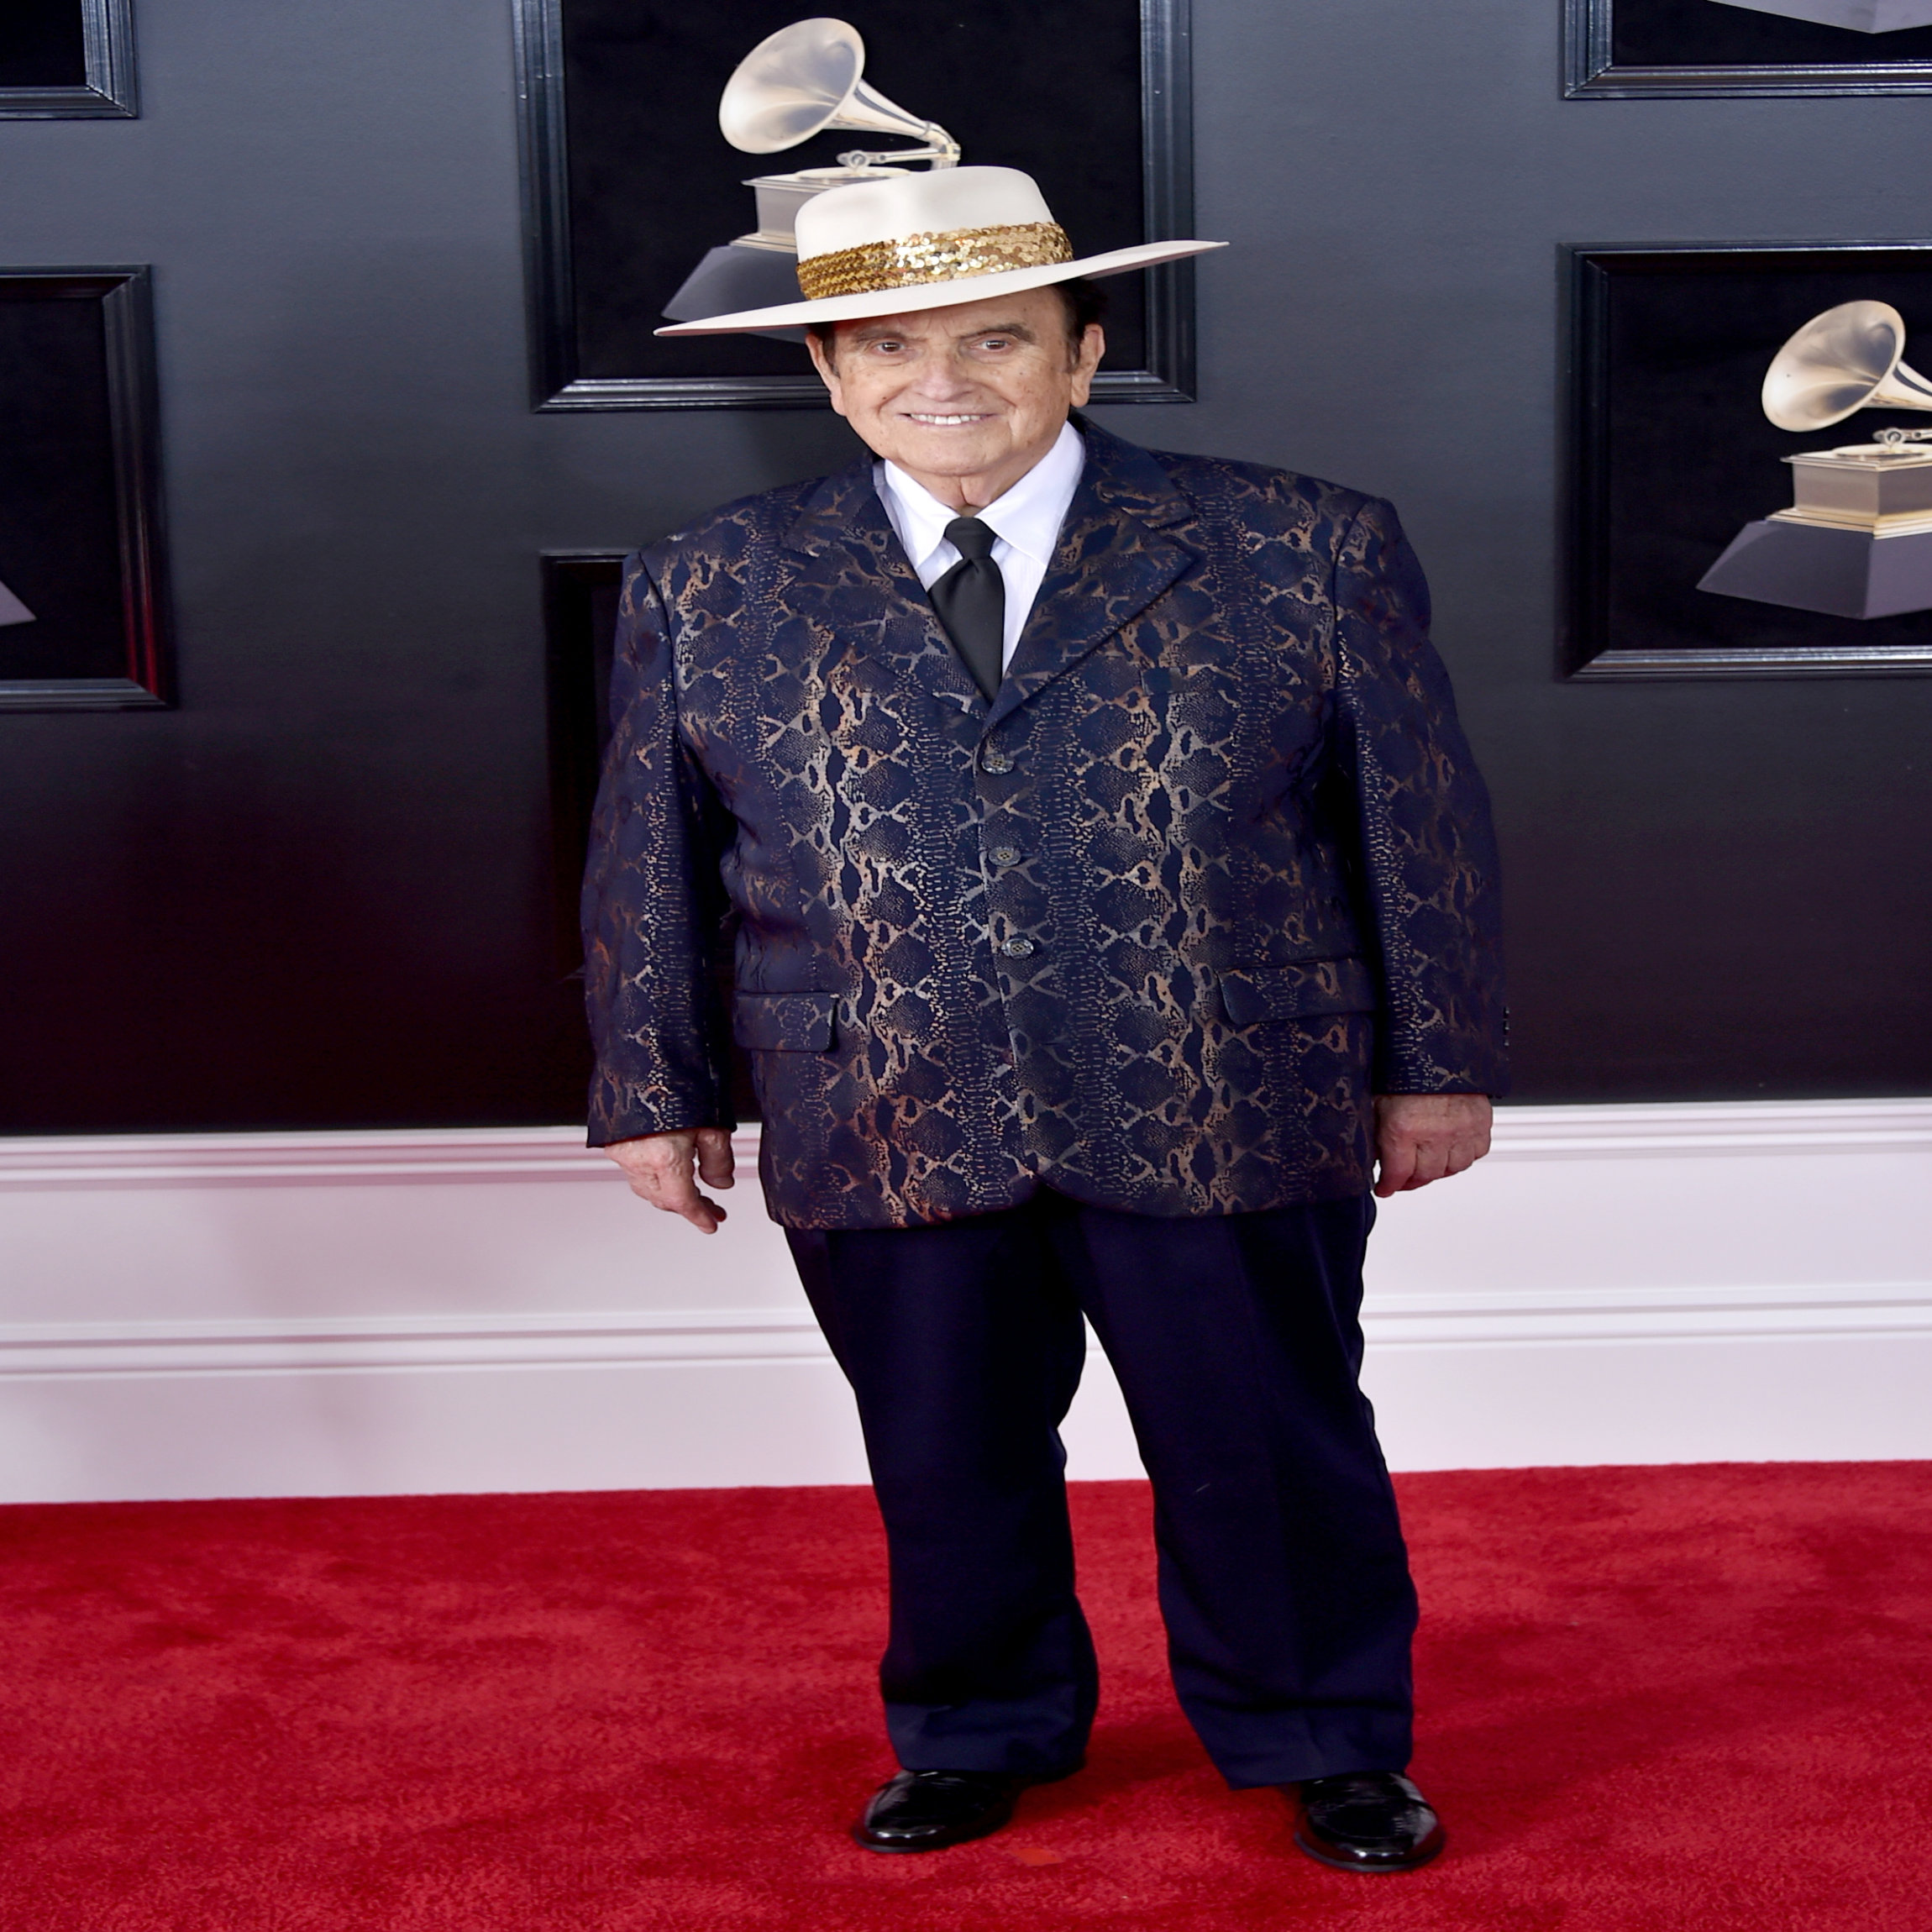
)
(1860, 16)
(802, 80)
(1857, 540)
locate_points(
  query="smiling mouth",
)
(945, 422)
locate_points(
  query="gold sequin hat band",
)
(874, 267)
(922, 241)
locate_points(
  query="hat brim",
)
(937, 294)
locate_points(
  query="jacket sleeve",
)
(1424, 850)
(653, 905)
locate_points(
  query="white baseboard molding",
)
(489, 1310)
(726, 1336)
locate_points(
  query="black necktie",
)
(971, 600)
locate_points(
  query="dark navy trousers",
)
(1283, 1579)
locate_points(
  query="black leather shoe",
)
(928, 1810)
(1367, 1821)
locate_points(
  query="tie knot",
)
(973, 540)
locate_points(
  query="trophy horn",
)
(1846, 359)
(806, 77)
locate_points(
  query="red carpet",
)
(1650, 1699)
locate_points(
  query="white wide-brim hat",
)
(928, 241)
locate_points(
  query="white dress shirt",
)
(1026, 523)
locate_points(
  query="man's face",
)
(966, 400)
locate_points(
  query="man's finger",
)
(670, 1187)
(1410, 1160)
(715, 1167)
(681, 1197)
(705, 1216)
(658, 1169)
(1394, 1163)
(1430, 1163)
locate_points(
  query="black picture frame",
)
(81, 528)
(1668, 454)
(68, 59)
(1662, 49)
(1163, 372)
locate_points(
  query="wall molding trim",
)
(1716, 1127)
(418, 1154)
(432, 1309)
(360, 1344)
(281, 1159)
(684, 1336)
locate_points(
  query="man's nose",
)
(945, 381)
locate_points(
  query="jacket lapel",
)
(853, 580)
(852, 583)
(1113, 560)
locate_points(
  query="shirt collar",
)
(1027, 518)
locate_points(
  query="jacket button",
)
(1017, 948)
(996, 762)
(1004, 855)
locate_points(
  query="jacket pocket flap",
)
(784, 1022)
(1258, 994)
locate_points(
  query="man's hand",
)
(659, 1168)
(1420, 1138)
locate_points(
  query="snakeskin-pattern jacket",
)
(1214, 866)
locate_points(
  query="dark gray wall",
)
(318, 893)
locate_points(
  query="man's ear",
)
(828, 372)
(1087, 360)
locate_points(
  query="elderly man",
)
(1114, 901)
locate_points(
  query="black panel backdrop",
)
(42, 44)
(59, 536)
(321, 892)
(1700, 33)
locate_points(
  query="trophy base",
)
(1838, 573)
(735, 277)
